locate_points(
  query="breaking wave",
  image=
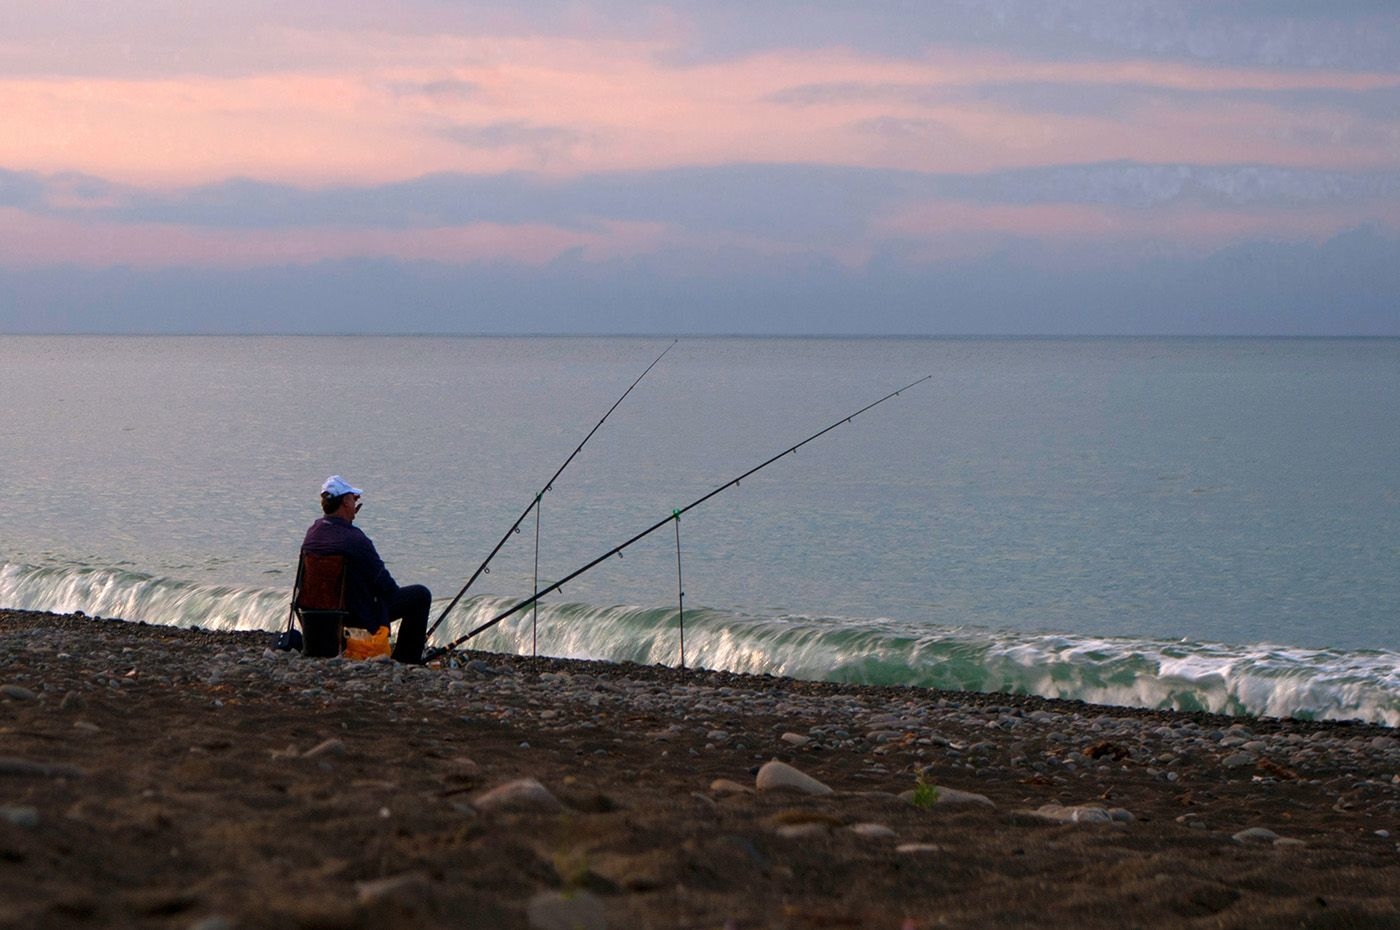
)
(1255, 680)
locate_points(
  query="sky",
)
(822, 167)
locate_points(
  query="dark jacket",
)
(368, 585)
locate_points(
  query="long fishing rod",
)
(548, 485)
(675, 515)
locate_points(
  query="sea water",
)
(1185, 523)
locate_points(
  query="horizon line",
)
(661, 334)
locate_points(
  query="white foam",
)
(1263, 679)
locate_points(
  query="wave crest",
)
(1267, 680)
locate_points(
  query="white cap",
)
(336, 486)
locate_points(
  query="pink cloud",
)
(370, 103)
(614, 105)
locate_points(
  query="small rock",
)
(779, 776)
(873, 831)
(1238, 760)
(17, 693)
(465, 766)
(330, 747)
(1255, 836)
(944, 797)
(524, 794)
(795, 739)
(407, 889)
(801, 830)
(1081, 813)
(27, 817)
(726, 786)
(950, 796)
(565, 910)
(10, 765)
(908, 848)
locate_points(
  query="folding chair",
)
(319, 603)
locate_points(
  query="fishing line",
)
(548, 485)
(675, 515)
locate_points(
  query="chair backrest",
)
(321, 582)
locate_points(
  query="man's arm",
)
(375, 572)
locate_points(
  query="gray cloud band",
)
(755, 199)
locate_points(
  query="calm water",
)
(1168, 522)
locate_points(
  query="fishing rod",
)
(675, 515)
(548, 485)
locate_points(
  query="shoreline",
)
(1242, 679)
(158, 776)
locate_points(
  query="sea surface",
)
(1180, 523)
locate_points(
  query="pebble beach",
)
(180, 778)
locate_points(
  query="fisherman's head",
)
(336, 494)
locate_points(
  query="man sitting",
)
(372, 597)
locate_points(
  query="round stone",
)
(779, 776)
(524, 794)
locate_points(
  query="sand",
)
(156, 777)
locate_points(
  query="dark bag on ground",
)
(288, 640)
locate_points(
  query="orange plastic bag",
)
(362, 645)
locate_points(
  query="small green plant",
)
(925, 793)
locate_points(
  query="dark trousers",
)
(411, 605)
